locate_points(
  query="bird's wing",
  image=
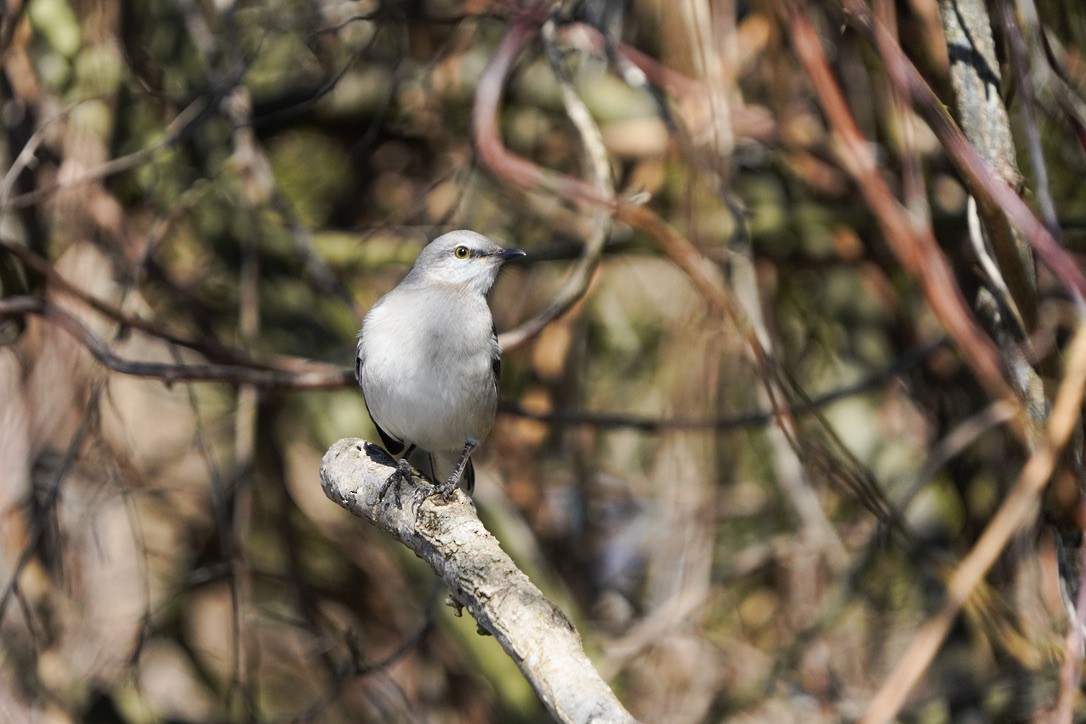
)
(496, 358)
(394, 445)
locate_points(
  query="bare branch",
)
(210, 348)
(481, 577)
(315, 379)
(975, 75)
(1024, 78)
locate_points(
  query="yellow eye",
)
(461, 252)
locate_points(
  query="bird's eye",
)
(461, 252)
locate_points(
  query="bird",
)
(428, 360)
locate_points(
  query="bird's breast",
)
(433, 385)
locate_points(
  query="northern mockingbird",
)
(428, 360)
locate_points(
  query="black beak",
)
(507, 254)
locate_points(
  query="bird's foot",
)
(446, 489)
(405, 474)
(396, 482)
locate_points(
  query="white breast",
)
(428, 378)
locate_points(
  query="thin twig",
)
(997, 285)
(210, 348)
(26, 153)
(964, 434)
(1025, 85)
(616, 420)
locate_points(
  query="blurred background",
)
(735, 445)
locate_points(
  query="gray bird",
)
(428, 360)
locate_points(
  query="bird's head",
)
(462, 259)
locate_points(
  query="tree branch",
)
(195, 113)
(318, 377)
(450, 537)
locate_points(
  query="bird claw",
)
(446, 489)
(405, 474)
(424, 490)
(395, 482)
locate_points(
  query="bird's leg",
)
(449, 485)
(395, 481)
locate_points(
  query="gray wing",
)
(496, 360)
(393, 445)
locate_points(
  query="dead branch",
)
(481, 577)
